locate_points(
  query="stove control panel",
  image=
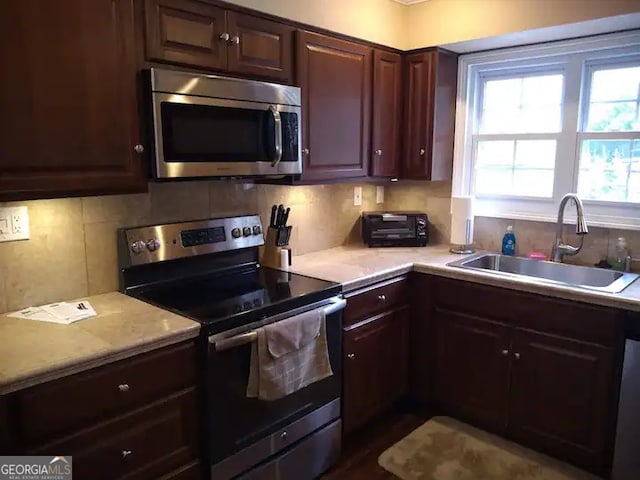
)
(179, 240)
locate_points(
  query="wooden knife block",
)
(271, 253)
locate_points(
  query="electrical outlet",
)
(379, 194)
(357, 196)
(14, 224)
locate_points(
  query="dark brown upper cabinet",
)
(387, 114)
(69, 100)
(430, 100)
(198, 34)
(187, 32)
(335, 77)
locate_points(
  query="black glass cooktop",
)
(221, 302)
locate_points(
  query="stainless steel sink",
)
(592, 278)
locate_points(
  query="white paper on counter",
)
(70, 312)
(61, 312)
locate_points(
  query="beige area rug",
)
(445, 449)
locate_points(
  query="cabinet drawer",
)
(147, 443)
(106, 391)
(481, 300)
(187, 472)
(376, 299)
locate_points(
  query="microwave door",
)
(210, 137)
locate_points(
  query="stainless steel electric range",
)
(208, 270)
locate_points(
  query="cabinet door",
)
(430, 104)
(260, 47)
(68, 97)
(562, 396)
(187, 32)
(472, 373)
(375, 366)
(418, 110)
(387, 109)
(335, 76)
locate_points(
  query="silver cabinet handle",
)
(422, 151)
(224, 37)
(516, 356)
(305, 151)
(379, 152)
(235, 40)
(124, 387)
(126, 454)
(278, 134)
(138, 148)
(382, 298)
(284, 435)
(505, 352)
(351, 356)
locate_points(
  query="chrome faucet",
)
(560, 249)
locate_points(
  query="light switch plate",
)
(357, 196)
(14, 224)
(379, 194)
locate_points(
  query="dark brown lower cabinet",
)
(545, 374)
(375, 366)
(473, 368)
(144, 444)
(560, 395)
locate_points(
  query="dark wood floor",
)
(360, 453)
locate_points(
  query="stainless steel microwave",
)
(213, 126)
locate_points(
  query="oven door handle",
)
(278, 134)
(249, 337)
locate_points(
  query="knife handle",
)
(285, 217)
(272, 223)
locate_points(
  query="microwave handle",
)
(277, 120)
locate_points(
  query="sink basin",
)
(592, 278)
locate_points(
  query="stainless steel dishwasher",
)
(626, 460)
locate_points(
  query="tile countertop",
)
(33, 352)
(358, 266)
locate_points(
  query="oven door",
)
(214, 137)
(242, 431)
(392, 227)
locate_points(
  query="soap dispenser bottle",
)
(622, 258)
(509, 242)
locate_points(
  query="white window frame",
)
(576, 58)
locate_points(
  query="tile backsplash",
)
(435, 198)
(72, 251)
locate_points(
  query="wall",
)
(438, 22)
(72, 250)
(379, 21)
(435, 199)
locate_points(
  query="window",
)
(536, 122)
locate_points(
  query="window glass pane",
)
(526, 104)
(533, 183)
(536, 153)
(494, 181)
(495, 153)
(615, 84)
(542, 90)
(502, 94)
(613, 100)
(607, 170)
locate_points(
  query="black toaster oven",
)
(395, 229)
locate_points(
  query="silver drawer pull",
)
(124, 387)
(516, 356)
(351, 356)
(382, 298)
(505, 352)
(126, 454)
(284, 435)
